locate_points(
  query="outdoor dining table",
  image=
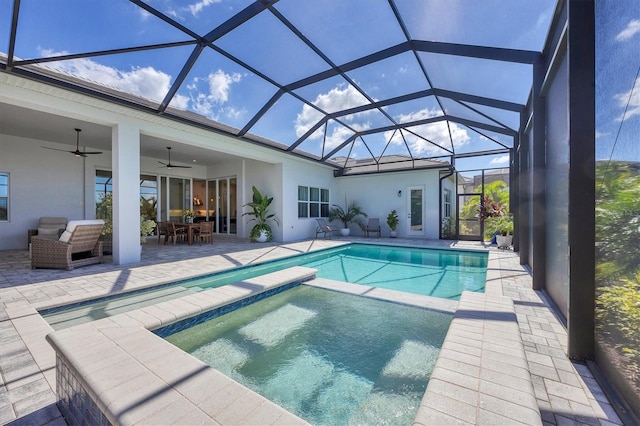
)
(190, 228)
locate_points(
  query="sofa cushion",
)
(71, 226)
(52, 222)
(48, 231)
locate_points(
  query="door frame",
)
(408, 229)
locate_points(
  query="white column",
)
(125, 160)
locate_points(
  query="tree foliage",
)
(617, 219)
(493, 208)
(618, 263)
(618, 311)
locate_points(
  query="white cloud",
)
(146, 82)
(144, 15)
(434, 132)
(197, 7)
(338, 98)
(500, 160)
(632, 98)
(210, 103)
(220, 84)
(180, 102)
(339, 135)
(632, 28)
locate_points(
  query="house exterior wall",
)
(378, 195)
(42, 184)
(296, 173)
(35, 191)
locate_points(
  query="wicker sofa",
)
(78, 245)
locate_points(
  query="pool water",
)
(432, 272)
(438, 273)
(328, 357)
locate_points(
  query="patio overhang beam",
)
(346, 171)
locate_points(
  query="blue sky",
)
(224, 91)
(617, 81)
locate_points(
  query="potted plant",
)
(392, 221)
(504, 225)
(259, 213)
(352, 214)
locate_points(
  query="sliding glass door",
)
(222, 205)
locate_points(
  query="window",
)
(446, 203)
(104, 190)
(313, 202)
(4, 196)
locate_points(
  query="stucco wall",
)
(378, 195)
(34, 190)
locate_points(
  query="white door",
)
(415, 211)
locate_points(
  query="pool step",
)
(107, 308)
(128, 375)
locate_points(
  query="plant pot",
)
(262, 237)
(393, 234)
(504, 241)
(345, 232)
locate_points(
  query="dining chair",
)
(176, 232)
(163, 232)
(205, 232)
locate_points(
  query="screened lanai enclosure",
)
(318, 79)
(505, 97)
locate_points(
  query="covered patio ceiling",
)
(382, 84)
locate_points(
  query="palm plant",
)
(352, 214)
(260, 214)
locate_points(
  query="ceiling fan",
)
(172, 166)
(77, 152)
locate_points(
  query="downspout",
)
(452, 171)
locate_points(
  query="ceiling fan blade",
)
(91, 152)
(171, 166)
(56, 149)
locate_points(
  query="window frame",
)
(313, 202)
(446, 202)
(6, 197)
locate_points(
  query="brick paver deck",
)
(565, 392)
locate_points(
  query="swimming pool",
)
(306, 350)
(434, 272)
(438, 273)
